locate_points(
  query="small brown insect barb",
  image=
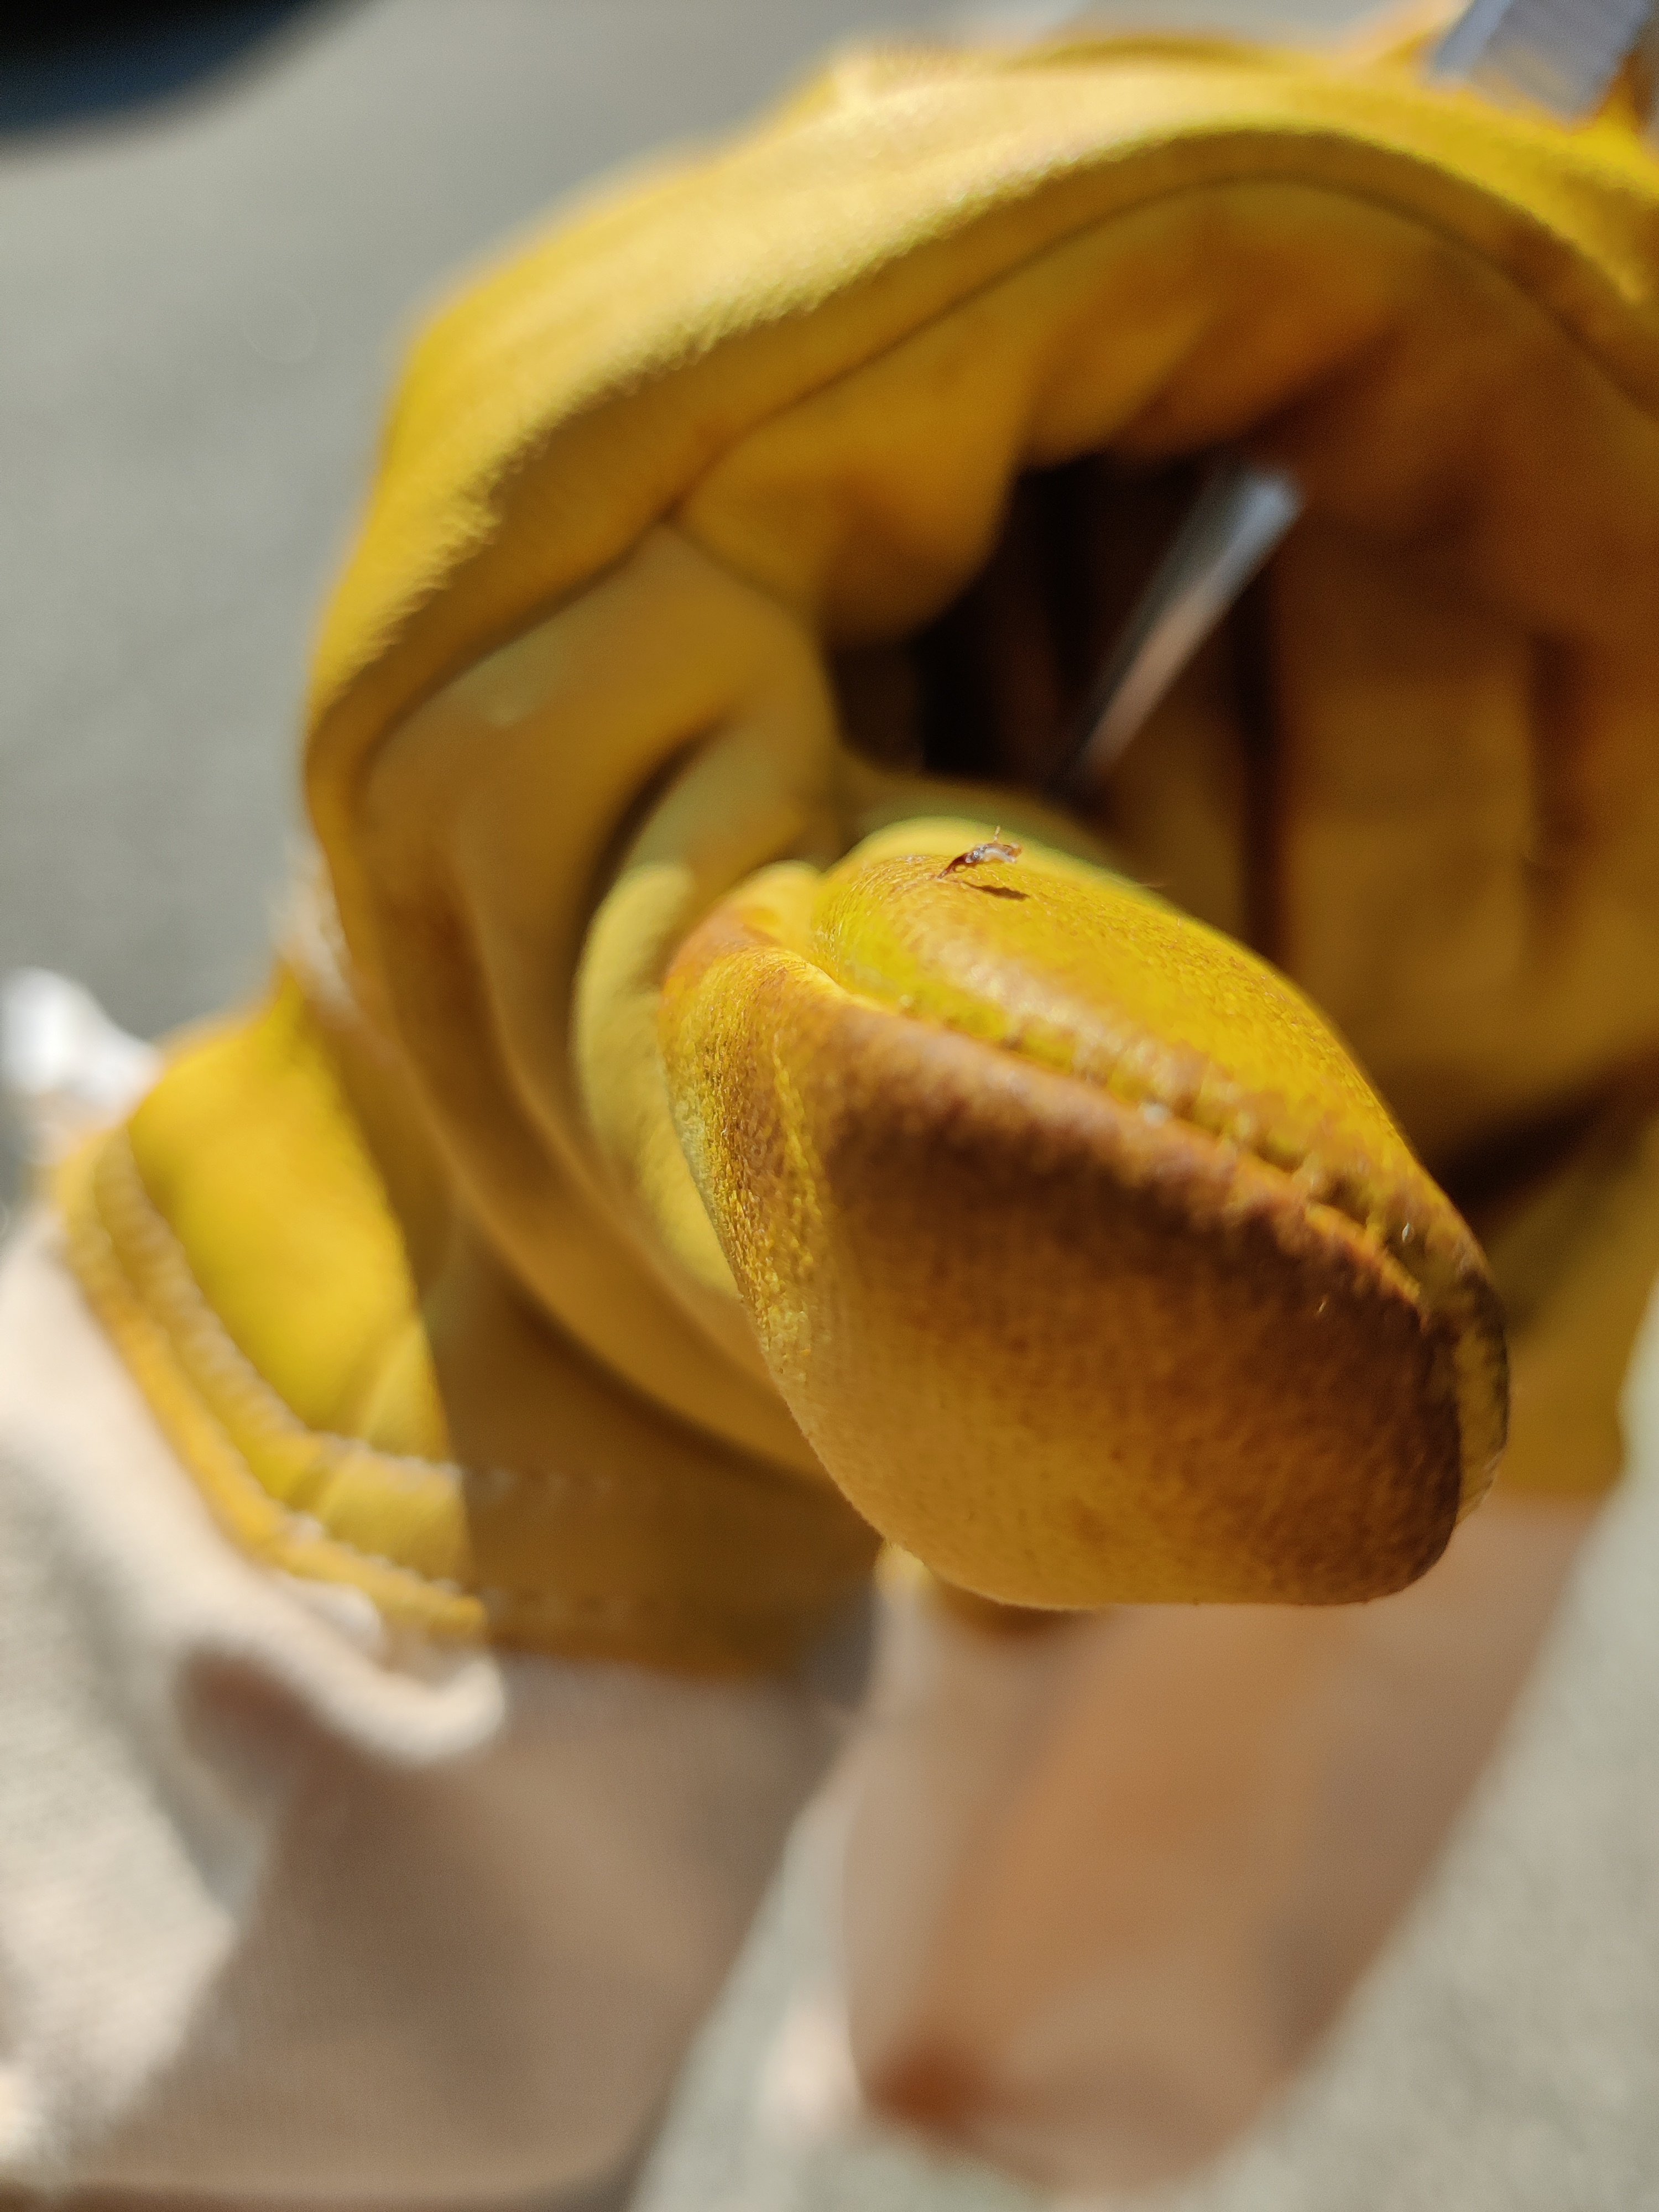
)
(994, 849)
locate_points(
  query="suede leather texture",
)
(666, 504)
(1076, 1244)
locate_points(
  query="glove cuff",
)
(236, 1239)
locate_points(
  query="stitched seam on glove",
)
(207, 1397)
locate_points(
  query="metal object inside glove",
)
(1560, 55)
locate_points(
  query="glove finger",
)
(1084, 1256)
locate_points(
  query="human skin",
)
(1108, 1884)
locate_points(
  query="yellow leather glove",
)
(704, 541)
(722, 457)
(1074, 1239)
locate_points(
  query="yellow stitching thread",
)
(105, 1200)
